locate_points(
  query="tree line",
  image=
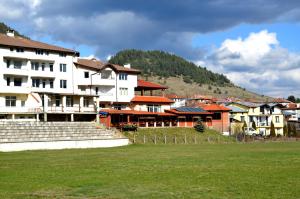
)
(166, 65)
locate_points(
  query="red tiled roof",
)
(152, 99)
(98, 65)
(146, 84)
(133, 112)
(17, 41)
(280, 100)
(174, 111)
(213, 107)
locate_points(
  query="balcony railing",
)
(18, 109)
(74, 109)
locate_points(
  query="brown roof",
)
(98, 65)
(122, 68)
(213, 107)
(90, 63)
(17, 41)
(133, 112)
(150, 85)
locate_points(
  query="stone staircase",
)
(68, 134)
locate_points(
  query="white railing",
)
(18, 109)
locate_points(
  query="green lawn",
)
(235, 170)
(183, 135)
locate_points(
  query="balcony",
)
(15, 89)
(74, 109)
(46, 74)
(15, 72)
(16, 109)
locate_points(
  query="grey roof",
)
(250, 104)
(189, 109)
(236, 109)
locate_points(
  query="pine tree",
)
(272, 130)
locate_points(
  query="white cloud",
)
(18, 9)
(258, 63)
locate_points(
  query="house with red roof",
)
(219, 120)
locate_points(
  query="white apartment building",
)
(43, 82)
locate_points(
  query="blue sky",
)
(254, 43)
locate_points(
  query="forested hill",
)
(4, 28)
(159, 63)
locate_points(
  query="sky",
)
(255, 43)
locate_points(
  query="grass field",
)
(256, 170)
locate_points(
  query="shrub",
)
(199, 126)
(129, 127)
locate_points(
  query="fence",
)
(198, 139)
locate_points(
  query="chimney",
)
(10, 32)
(127, 65)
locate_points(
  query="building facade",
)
(42, 82)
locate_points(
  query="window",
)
(44, 83)
(122, 76)
(97, 90)
(10, 101)
(62, 54)
(34, 66)
(43, 66)
(69, 101)
(57, 100)
(19, 50)
(17, 64)
(86, 74)
(23, 103)
(36, 83)
(251, 118)
(242, 118)
(86, 102)
(62, 67)
(17, 82)
(63, 83)
(216, 116)
(277, 119)
(153, 108)
(124, 91)
(51, 83)
(51, 67)
(39, 52)
(8, 81)
(7, 63)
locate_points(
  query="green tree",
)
(291, 98)
(272, 130)
(168, 65)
